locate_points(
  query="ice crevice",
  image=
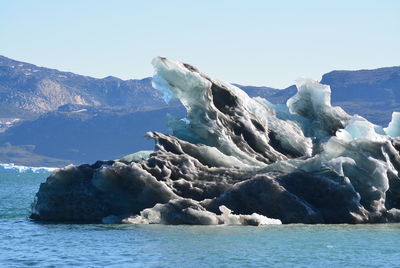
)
(238, 160)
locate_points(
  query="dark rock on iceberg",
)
(238, 160)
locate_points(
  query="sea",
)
(25, 243)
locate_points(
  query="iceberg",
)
(238, 160)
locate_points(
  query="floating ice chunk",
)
(25, 169)
(254, 219)
(187, 211)
(393, 129)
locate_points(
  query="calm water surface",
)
(24, 243)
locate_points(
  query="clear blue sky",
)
(247, 42)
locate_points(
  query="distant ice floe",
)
(24, 169)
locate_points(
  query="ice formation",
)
(393, 130)
(239, 160)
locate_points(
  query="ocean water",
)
(24, 243)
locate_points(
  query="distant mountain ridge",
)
(27, 90)
(52, 118)
(77, 134)
(374, 94)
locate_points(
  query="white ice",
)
(393, 130)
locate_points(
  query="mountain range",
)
(52, 118)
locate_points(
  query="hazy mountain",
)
(27, 90)
(52, 118)
(374, 94)
(77, 134)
